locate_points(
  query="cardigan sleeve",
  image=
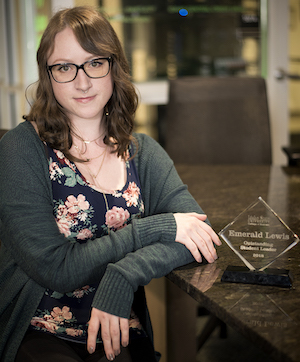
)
(163, 192)
(121, 279)
(162, 188)
(30, 234)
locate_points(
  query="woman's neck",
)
(87, 132)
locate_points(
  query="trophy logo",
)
(258, 236)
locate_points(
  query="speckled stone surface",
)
(268, 316)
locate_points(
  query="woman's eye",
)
(95, 63)
(64, 68)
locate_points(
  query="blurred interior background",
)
(165, 39)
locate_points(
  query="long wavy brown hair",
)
(96, 36)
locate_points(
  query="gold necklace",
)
(85, 141)
(94, 177)
(88, 159)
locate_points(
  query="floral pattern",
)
(59, 320)
(116, 218)
(81, 215)
(131, 195)
(78, 293)
(73, 217)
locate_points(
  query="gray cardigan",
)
(34, 255)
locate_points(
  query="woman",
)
(90, 212)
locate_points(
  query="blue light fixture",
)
(183, 12)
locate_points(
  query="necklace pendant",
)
(87, 142)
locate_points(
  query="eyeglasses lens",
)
(96, 68)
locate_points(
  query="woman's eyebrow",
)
(65, 60)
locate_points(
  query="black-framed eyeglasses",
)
(67, 72)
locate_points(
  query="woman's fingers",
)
(124, 327)
(193, 248)
(115, 334)
(111, 329)
(211, 233)
(206, 227)
(197, 236)
(106, 338)
(93, 329)
(111, 338)
(204, 241)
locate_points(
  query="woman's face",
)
(84, 98)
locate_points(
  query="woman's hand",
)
(111, 329)
(197, 236)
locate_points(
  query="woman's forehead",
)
(67, 48)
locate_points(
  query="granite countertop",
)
(269, 316)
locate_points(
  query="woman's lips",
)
(84, 99)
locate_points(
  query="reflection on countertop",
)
(268, 316)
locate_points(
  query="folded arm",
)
(29, 232)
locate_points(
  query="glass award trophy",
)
(258, 237)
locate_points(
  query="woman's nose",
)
(83, 82)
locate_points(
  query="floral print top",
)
(81, 214)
